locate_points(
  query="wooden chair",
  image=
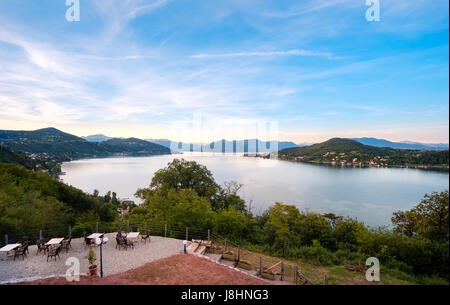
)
(20, 251)
(129, 243)
(120, 243)
(88, 242)
(66, 244)
(54, 252)
(41, 246)
(146, 237)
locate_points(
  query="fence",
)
(156, 229)
(264, 266)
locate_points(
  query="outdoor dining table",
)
(133, 235)
(95, 235)
(54, 241)
(8, 248)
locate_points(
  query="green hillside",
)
(32, 200)
(18, 158)
(133, 146)
(346, 152)
(55, 145)
(8, 156)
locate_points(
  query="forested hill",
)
(33, 201)
(8, 156)
(346, 152)
(55, 145)
(18, 158)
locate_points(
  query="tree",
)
(181, 208)
(114, 199)
(182, 174)
(107, 196)
(429, 218)
(232, 187)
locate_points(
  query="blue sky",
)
(146, 67)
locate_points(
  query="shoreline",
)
(436, 168)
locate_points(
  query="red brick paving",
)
(179, 269)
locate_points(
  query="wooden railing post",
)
(70, 231)
(96, 227)
(6, 239)
(209, 232)
(282, 271)
(296, 275)
(260, 266)
(165, 230)
(187, 233)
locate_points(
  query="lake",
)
(368, 194)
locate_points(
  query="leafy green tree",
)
(230, 223)
(429, 218)
(114, 199)
(107, 197)
(181, 208)
(181, 174)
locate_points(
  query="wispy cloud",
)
(295, 52)
(135, 66)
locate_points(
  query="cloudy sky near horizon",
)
(146, 68)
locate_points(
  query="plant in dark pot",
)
(268, 274)
(215, 250)
(91, 260)
(229, 255)
(245, 265)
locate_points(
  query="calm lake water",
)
(368, 194)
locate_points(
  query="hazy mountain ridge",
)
(401, 145)
(239, 146)
(97, 138)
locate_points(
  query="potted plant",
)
(215, 250)
(245, 265)
(91, 260)
(229, 255)
(268, 274)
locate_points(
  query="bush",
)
(318, 254)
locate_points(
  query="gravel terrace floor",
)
(114, 260)
(181, 269)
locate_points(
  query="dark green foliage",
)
(31, 201)
(8, 156)
(181, 174)
(428, 219)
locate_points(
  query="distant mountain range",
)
(215, 146)
(234, 146)
(97, 138)
(53, 144)
(347, 152)
(401, 145)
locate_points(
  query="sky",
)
(209, 69)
